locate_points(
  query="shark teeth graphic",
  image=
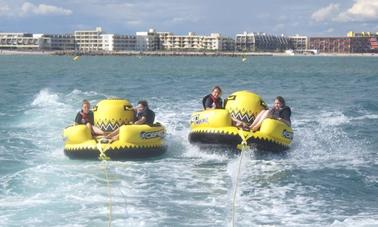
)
(109, 126)
(243, 117)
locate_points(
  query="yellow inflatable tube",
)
(135, 141)
(215, 126)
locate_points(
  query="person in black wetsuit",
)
(279, 111)
(213, 100)
(143, 115)
(85, 117)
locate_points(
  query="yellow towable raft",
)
(135, 141)
(215, 126)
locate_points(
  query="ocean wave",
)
(46, 98)
(360, 221)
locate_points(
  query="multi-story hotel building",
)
(61, 41)
(112, 42)
(147, 41)
(124, 42)
(260, 42)
(362, 34)
(163, 37)
(193, 42)
(330, 44)
(364, 42)
(96, 40)
(24, 41)
(298, 43)
(89, 40)
(245, 42)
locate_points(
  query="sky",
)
(288, 17)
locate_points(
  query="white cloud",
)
(330, 30)
(4, 9)
(42, 9)
(325, 13)
(362, 10)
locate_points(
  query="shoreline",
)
(179, 53)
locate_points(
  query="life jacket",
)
(84, 117)
(217, 101)
(279, 113)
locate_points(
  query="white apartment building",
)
(245, 41)
(298, 43)
(193, 42)
(107, 42)
(89, 40)
(147, 41)
(23, 41)
(112, 42)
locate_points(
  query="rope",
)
(103, 155)
(236, 189)
(109, 186)
(243, 146)
(105, 159)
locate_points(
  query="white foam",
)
(45, 98)
(333, 119)
(367, 116)
(360, 221)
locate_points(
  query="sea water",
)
(329, 177)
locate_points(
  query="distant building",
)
(89, 40)
(344, 45)
(245, 42)
(228, 44)
(194, 42)
(163, 37)
(61, 41)
(364, 42)
(24, 41)
(124, 42)
(112, 42)
(330, 44)
(147, 41)
(298, 43)
(362, 34)
(261, 42)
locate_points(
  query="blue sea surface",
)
(329, 177)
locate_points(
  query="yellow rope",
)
(105, 158)
(103, 155)
(242, 147)
(109, 186)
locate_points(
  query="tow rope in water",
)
(243, 146)
(104, 158)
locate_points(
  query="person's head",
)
(279, 102)
(85, 106)
(216, 92)
(142, 105)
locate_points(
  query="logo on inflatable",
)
(153, 134)
(197, 121)
(287, 134)
(243, 117)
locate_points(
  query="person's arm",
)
(220, 103)
(285, 116)
(141, 121)
(209, 103)
(78, 119)
(91, 118)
